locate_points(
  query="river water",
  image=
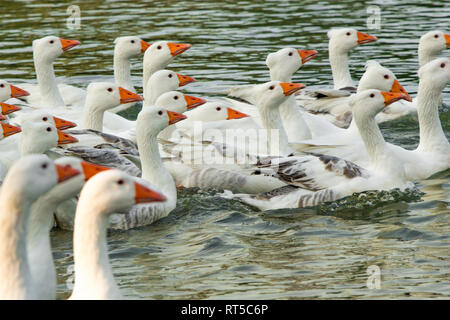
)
(211, 248)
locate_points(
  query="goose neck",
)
(277, 141)
(339, 68)
(92, 116)
(432, 137)
(122, 72)
(46, 80)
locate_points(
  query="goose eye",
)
(386, 76)
(49, 129)
(271, 87)
(44, 166)
(51, 41)
(372, 95)
(132, 41)
(348, 33)
(110, 89)
(170, 75)
(218, 108)
(436, 36)
(176, 97)
(442, 65)
(160, 112)
(44, 119)
(290, 53)
(158, 47)
(2, 85)
(120, 182)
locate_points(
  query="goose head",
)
(151, 121)
(272, 94)
(106, 95)
(345, 39)
(178, 102)
(214, 111)
(49, 48)
(163, 81)
(7, 130)
(45, 117)
(369, 103)
(9, 91)
(129, 47)
(161, 53)
(72, 187)
(436, 73)
(116, 191)
(285, 62)
(378, 77)
(40, 137)
(35, 174)
(433, 43)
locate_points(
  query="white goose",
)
(324, 178)
(150, 122)
(282, 65)
(433, 152)
(8, 91)
(27, 180)
(40, 222)
(110, 191)
(47, 92)
(35, 138)
(157, 57)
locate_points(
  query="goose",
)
(8, 108)
(282, 65)
(432, 155)
(157, 57)
(225, 167)
(47, 92)
(150, 122)
(94, 279)
(35, 138)
(430, 45)
(8, 91)
(125, 49)
(375, 77)
(316, 178)
(29, 178)
(40, 222)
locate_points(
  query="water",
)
(215, 248)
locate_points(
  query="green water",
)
(213, 248)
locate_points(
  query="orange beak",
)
(65, 172)
(397, 87)
(62, 124)
(290, 88)
(127, 96)
(90, 169)
(145, 195)
(2, 117)
(144, 45)
(184, 80)
(193, 102)
(177, 48)
(8, 108)
(9, 130)
(68, 44)
(174, 117)
(234, 114)
(64, 138)
(307, 55)
(365, 38)
(17, 92)
(447, 39)
(391, 97)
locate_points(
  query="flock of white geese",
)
(115, 173)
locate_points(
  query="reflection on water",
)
(213, 248)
